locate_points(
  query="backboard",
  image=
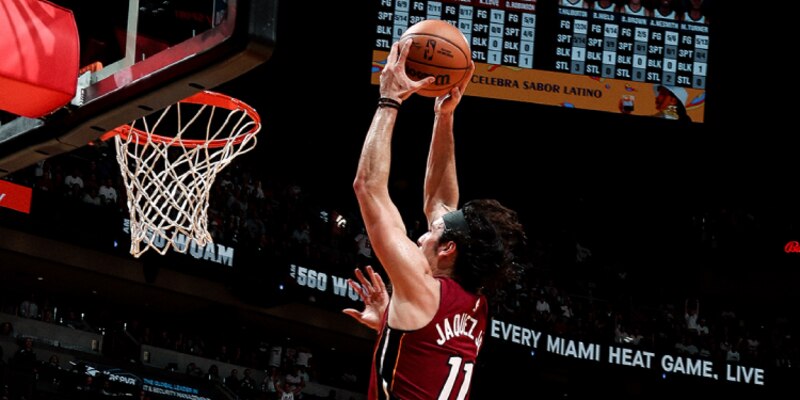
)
(147, 54)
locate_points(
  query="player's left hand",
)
(373, 293)
(447, 103)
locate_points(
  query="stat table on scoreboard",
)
(582, 41)
(499, 32)
(641, 49)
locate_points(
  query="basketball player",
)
(604, 5)
(665, 10)
(574, 3)
(635, 7)
(695, 12)
(432, 326)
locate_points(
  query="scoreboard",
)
(640, 49)
(547, 53)
(498, 33)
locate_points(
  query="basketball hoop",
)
(168, 178)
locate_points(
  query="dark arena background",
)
(636, 225)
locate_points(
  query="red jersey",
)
(437, 360)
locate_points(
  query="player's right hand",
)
(395, 83)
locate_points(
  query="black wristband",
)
(388, 102)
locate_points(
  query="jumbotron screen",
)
(637, 57)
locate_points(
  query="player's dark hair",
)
(492, 253)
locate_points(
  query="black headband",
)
(454, 221)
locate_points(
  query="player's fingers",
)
(372, 276)
(377, 281)
(358, 290)
(364, 281)
(423, 82)
(393, 53)
(406, 47)
(455, 93)
(353, 313)
(462, 87)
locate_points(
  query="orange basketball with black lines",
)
(440, 50)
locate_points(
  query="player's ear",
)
(449, 248)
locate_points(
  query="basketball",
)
(439, 50)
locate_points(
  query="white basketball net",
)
(169, 179)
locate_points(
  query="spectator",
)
(92, 197)
(7, 329)
(566, 308)
(270, 383)
(213, 374)
(107, 193)
(232, 381)
(105, 390)
(73, 184)
(287, 392)
(732, 355)
(690, 315)
(543, 307)
(51, 372)
(86, 387)
(247, 386)
(193, 370)
(23, 365)
(702, 327)
(28, 308)
(752, 347)
(295, 382)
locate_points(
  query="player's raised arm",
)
(441, 181)
(404, 262)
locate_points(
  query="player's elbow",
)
(362, 187)
(428, 207)
(369, 192)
